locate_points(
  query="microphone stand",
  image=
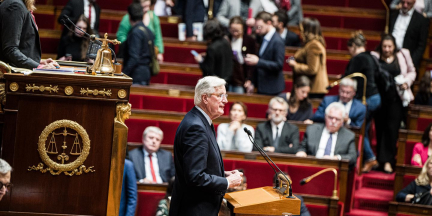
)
(307, 179)
(267, 158)
(91, 37)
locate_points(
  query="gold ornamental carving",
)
(95, 92)
(122, 93)
(123, 111)
(67, 160)
(14, 86)
(69, 90)
(41, 88)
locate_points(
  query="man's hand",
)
(409, 197)
(249, 87)
(198, 58)
(308, 121)
(250, 22)
(160, 57)
(146, 180)
(228, 173)
(269, 148)
(234, 179)
(301, 154)
(251, 59)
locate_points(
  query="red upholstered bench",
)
(147, 202)
(335, 21)
(180, 54)
(108, 25)
(321, 210)
(49, 45)
(422, 123)
(45, 21)
(408, 179)
(409, 146)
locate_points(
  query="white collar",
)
(205, 115)
(270, 34)
(146, 154)
(277, 125)
(327, 131)
(409, 13)
(284, 33)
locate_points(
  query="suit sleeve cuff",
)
(227, 184)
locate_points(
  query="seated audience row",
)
(419, 190)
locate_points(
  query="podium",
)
(65, 138)
(261, 201)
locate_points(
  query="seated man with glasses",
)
(331, 140)
(277, 135)
(5, 175)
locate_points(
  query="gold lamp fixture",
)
(103, 62)
(356, 74)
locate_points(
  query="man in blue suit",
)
(152, 164)
(129, 192)
(268, 77)
(347, 91)
(200, 181)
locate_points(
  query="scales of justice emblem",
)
(59, 157)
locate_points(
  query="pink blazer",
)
(406, 66)
(421, 150)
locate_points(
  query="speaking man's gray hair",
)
(206, 85)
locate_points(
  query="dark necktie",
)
(328, 147)
(276, 139)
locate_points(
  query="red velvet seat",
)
(422, 123)
(408, 179)
(409, 146)
(147, 202)
(180, 54)
(315, 209)
(45, 21)
(49, 45)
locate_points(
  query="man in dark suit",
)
(280, 21)
(200, 181)
(19, 37)
(152, 164)
(269, 78)
(331, 140)
(75, 8)
(410, 29)
(276, 135)
(137, 49)
(195, 11)
(355, 109)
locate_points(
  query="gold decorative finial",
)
(123, 111)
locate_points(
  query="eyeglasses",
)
(220, 96)
(8, 185)
(280, 110)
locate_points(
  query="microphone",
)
(308, 179)
(91, 37)
(267, 158)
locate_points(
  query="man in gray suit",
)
(232, 8)
(331, 140)
(295, 13)
(152, 164)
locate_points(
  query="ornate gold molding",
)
(96, 92)
(14, 86)
(123, 111)
(75, 167)
(69, 90)
(122, 93)
(41, 88)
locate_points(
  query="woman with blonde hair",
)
(418, 191)
(310, 60)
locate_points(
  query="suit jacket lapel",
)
(161, 163)
(268, 44)
(339, 141)
(269, 133)
(283, 134)
(317, 137)
(211, 135)
(141, 165)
